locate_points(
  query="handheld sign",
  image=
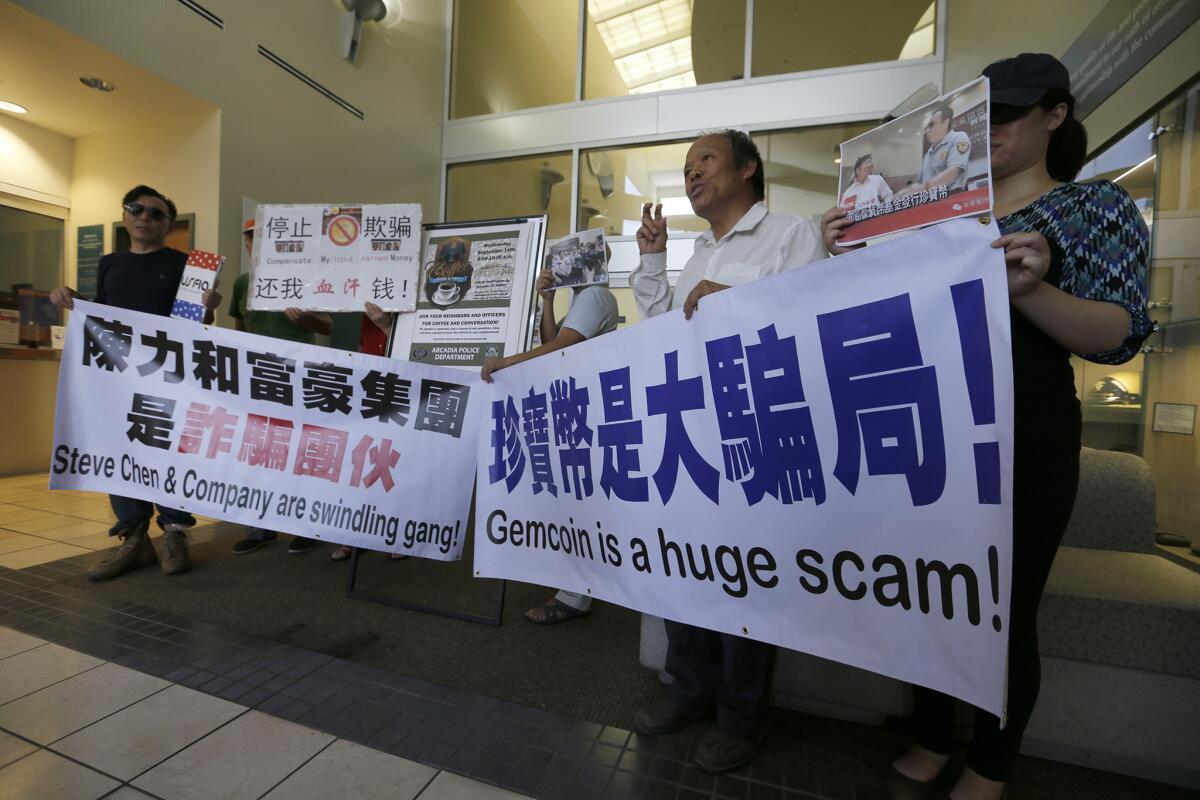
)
(199, 275)
(927, 166)
(335, 257)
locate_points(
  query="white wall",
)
(34, 163)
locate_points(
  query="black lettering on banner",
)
(151, 421)
(107, 343)
(163, 346)
(386, 397)
(443, 407)
(215, 364)
(891, 582)
(271, 377)
(327, 387)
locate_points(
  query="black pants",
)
(1045, 481)
(710, 667)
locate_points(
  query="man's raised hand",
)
(652, 236)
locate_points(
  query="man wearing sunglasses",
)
(143, 278)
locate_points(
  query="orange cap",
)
(249, 226)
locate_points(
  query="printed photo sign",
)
(930, 165)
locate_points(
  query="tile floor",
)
(38, 526)
(110, 699)
(76, 727)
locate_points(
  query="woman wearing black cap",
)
(1077, 255)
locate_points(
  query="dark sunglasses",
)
(137, 209)
(1002, 114)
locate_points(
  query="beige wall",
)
(513, 54)
(179, 156)
(34, 163)
(265, 135)
(27, 414)
(280, 140)
(798, 35)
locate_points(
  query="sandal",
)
(342, 553)
(554, 611)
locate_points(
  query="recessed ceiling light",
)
(99, 84)
(13, 107)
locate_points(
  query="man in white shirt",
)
(723, 175)
(724, 181)
(866, 188)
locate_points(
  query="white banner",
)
(821, 459)
(344, 447)
(335, 257)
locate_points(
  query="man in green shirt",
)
(293, 325)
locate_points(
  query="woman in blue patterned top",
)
(1077, 257)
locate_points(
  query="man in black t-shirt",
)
(143, 278)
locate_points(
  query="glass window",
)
(31, 250)
(797, 35)
(614, 183)
(512, 187)
(1148, 405)
(512, 54)
(801, 167)
(1172, 367)
(639, 46)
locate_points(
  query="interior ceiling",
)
(40, 67)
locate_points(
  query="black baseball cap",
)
(1023, 80)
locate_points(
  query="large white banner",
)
(344, 447)
(821, 459)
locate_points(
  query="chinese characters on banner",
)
(265, 432)
(929, 165)
(820, 459)
(335, 258)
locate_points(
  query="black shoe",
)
(299, 544)
(666, 717)
(255, 539)
(721, 751)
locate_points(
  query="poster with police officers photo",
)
(265, 432)
(930, 165)
(475, 299)
(335, 257)
(820, 459)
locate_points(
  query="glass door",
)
(1171, 441)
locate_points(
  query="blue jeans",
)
(131, 511)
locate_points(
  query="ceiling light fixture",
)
(13, 107)
(99, 84)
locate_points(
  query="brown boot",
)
(135, 551)
(175, 554)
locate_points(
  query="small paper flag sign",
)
(199, 275)
(205, 260)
